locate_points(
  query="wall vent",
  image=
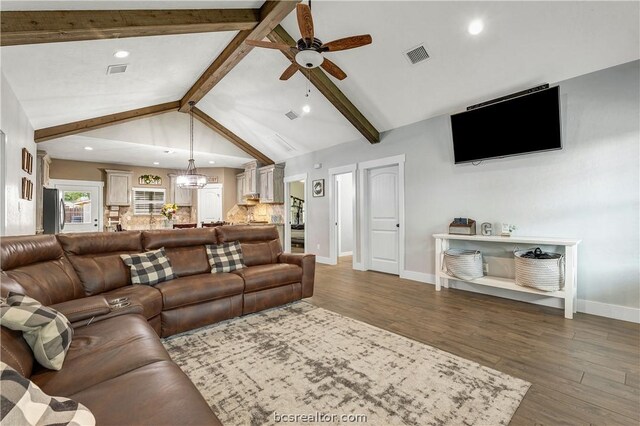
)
(282, 143)
(417, 54)
(291, 115)
(116, 69)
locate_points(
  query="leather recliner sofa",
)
(116, 364)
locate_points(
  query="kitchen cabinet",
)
(118, 188)
(177, 195)
(271, 180)
(251, 185)
(240, 200)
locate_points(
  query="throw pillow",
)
(46, 330)
(24, 403)
(225, 257)
(149, 268)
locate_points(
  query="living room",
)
(337, 185)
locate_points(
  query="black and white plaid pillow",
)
(46, 330)
(225, 257)
(149, 268)
(24, 403)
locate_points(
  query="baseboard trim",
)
(346, 253)
(623, 313)
(325, 260)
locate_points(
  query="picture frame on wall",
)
(27, 161)
(317, 188)
(27, 189)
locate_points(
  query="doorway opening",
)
(82, 201)
(343, 245)
(295, 212)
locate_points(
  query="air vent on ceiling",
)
(291, 115)
(417, 54)
(116, 69)
(283, 144)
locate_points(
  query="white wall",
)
(20, 215)
(344, 189)
(588, 190)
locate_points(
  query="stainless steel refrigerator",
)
(53, 211)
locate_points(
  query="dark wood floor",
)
(583, 371)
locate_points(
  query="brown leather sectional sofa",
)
(116, 365)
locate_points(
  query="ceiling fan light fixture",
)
(309, 59)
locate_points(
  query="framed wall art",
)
(317, 188)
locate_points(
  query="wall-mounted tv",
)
(528, 123)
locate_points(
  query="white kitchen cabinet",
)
(118, 187)
(240, 200)
(180, 196)
(271, 184)
(251, 179)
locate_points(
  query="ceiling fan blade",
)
(290, 71)
(333, 69)
(346, 43)
(267, 44)
(305, 22)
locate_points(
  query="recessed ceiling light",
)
(156, 162)
(475, 27)
(88, 148)
(121, 54)
(306, 109)
(212, 162)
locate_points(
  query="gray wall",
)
(588, 190)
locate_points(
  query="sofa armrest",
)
(308, 264)
(84, 308)
(81, 312)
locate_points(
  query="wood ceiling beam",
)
(229, 135)
(324, 84)
(272, 13)
(81, 126)
(32, 27)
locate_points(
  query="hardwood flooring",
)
(583, 371)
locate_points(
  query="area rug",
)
(303, 364)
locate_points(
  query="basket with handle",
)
(463, 264)
(546, 274)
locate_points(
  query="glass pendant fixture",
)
(191, 179)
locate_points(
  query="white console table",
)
(569, 293)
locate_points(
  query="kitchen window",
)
(148, 201)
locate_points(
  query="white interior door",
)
(210, 203)
(82, 205)
(383, 220)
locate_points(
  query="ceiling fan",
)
(308, 50)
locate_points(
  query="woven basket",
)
(541, 274)
(463, 264)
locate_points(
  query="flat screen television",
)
(529, 123)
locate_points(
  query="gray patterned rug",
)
(307, 361)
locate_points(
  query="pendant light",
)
(190, 179)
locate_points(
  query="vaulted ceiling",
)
(523, 44)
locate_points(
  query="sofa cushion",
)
(149, 268)
(185, 248)
(35, 265)
(96, 258)
(148, 297)
(24, 403)
(155, 394)
(199, 288)
(268, 276)
(260, 244)
(47, 331)
(225, 257)
(16, 352)
(101, 351)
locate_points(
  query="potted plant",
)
(168, 211)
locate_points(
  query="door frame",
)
(98, 184)
(364, 168)
(208, 186)
(287, 211)
(3, 182)
(333, 205)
